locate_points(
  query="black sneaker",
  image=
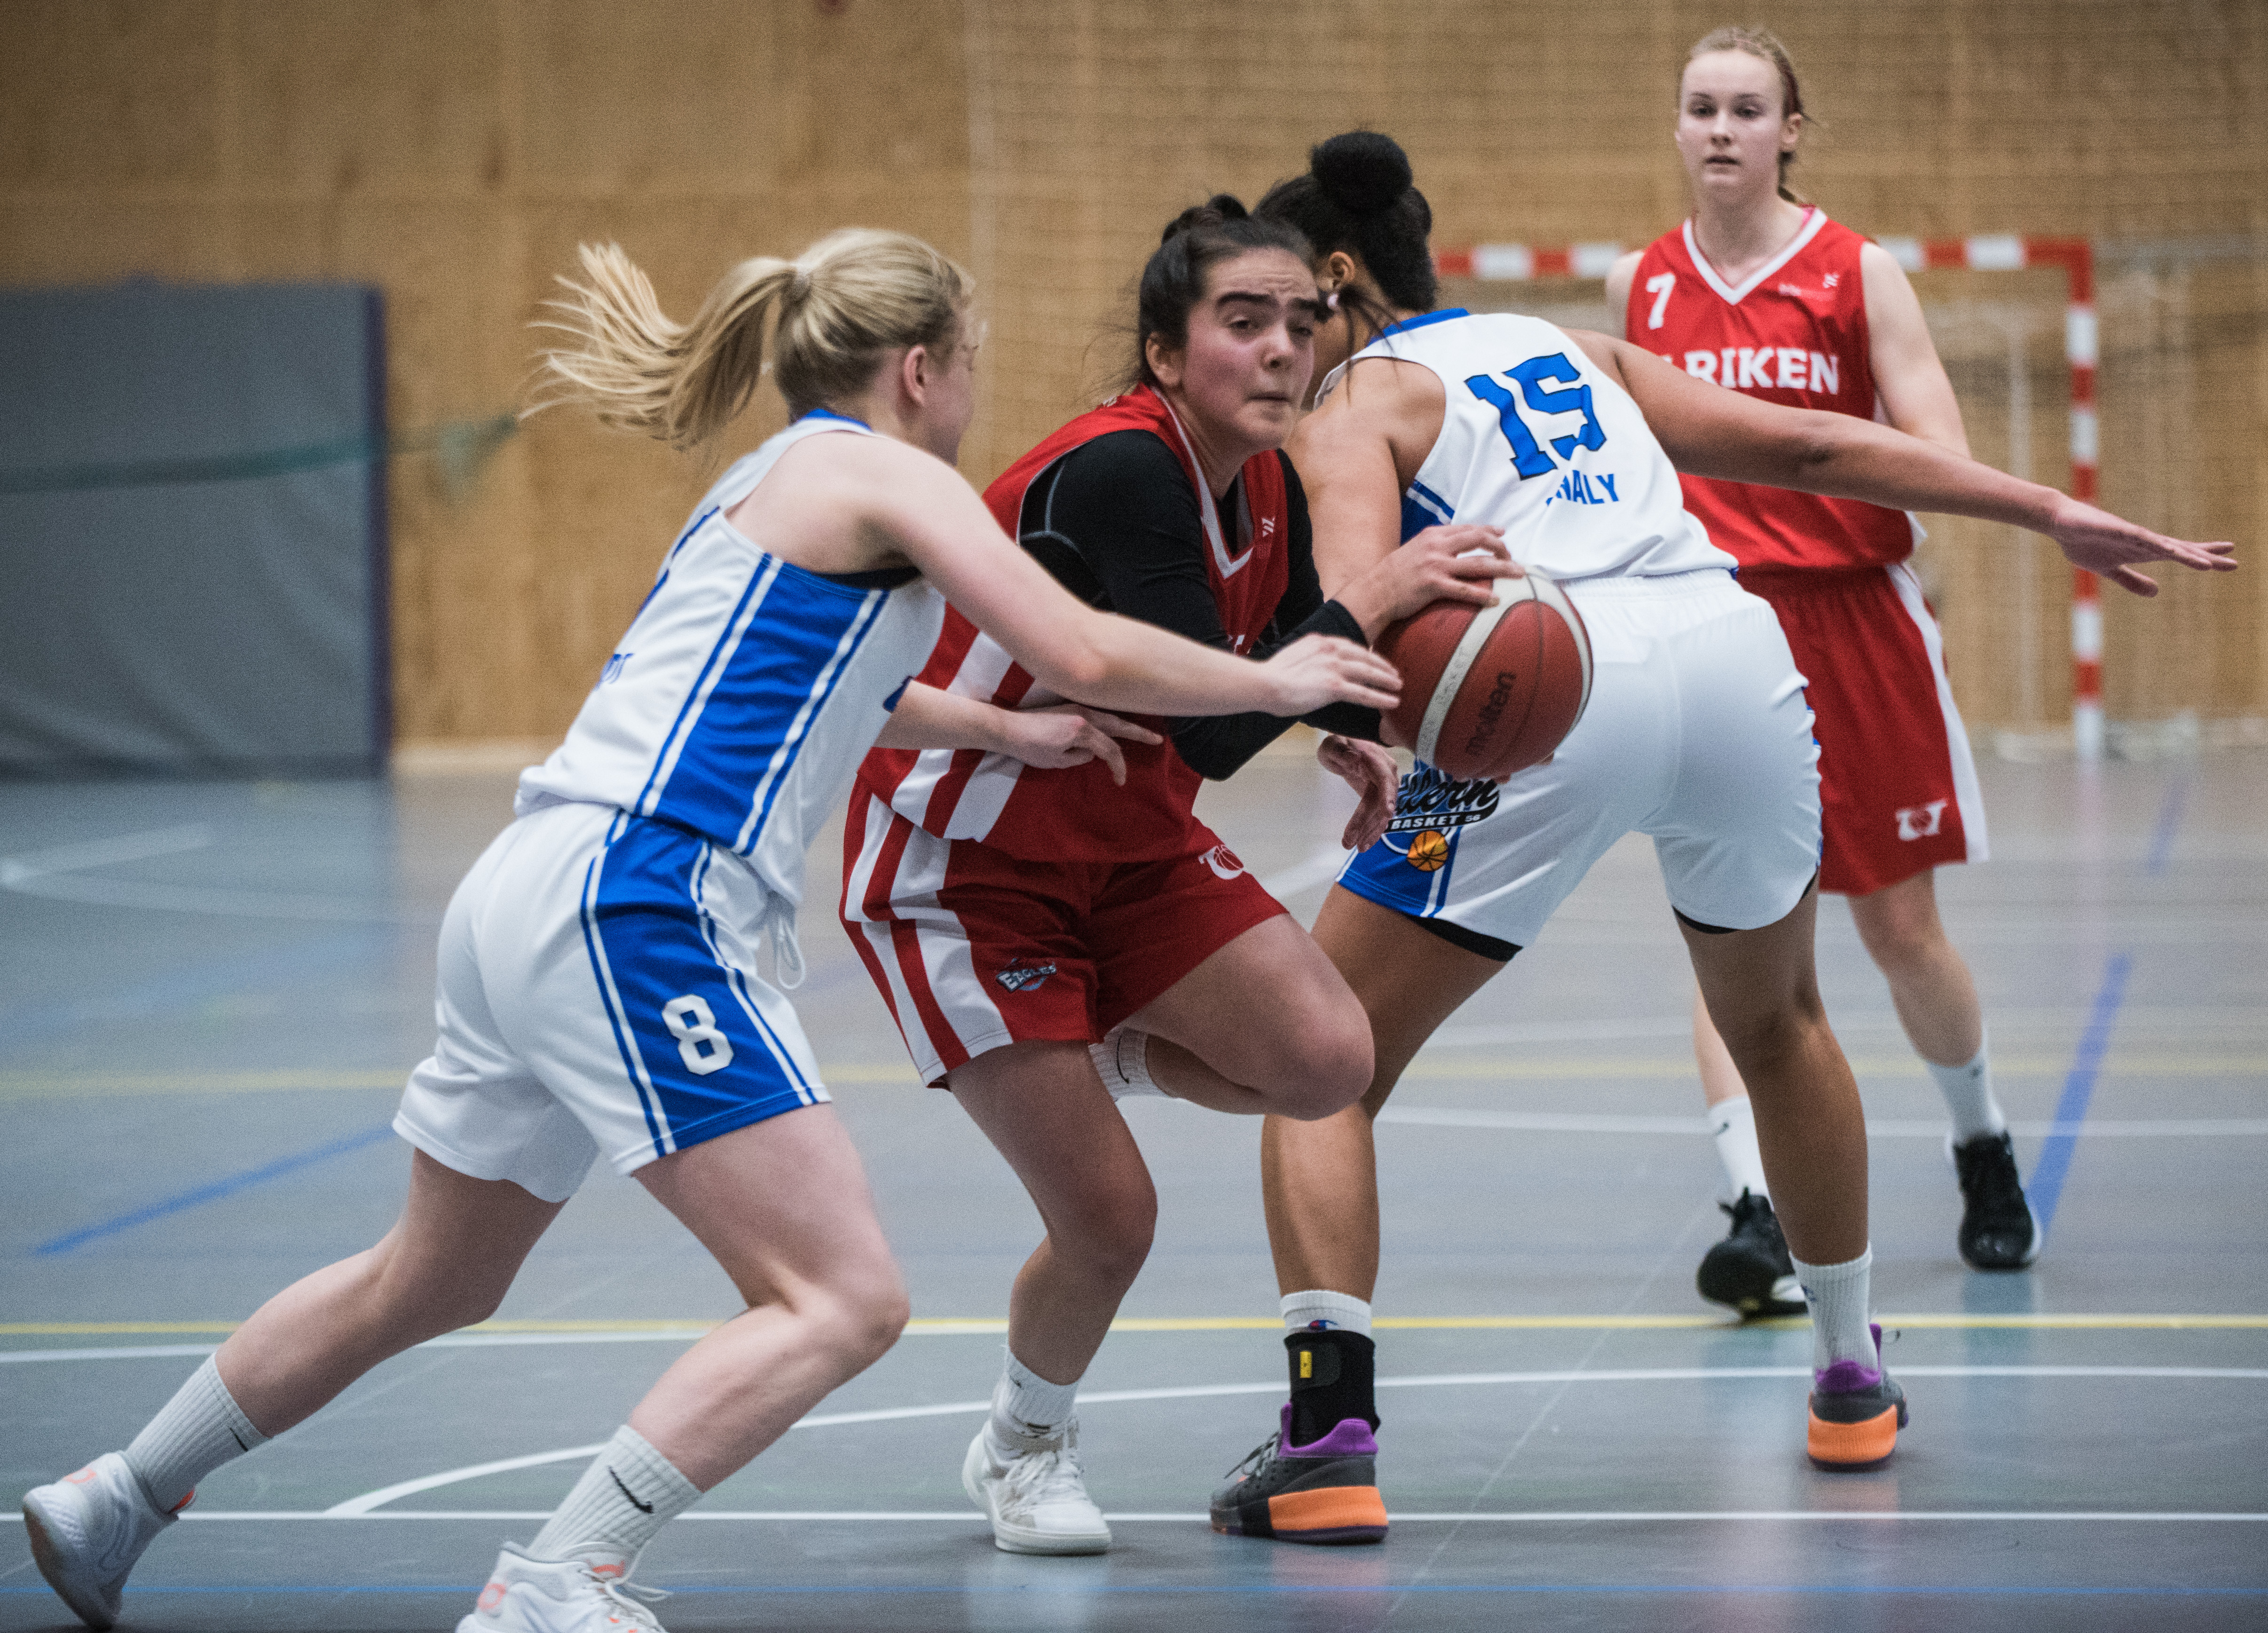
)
(1997, 1231)
(1749, 1269)
(1327, 1492)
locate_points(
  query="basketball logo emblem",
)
(1429, 851)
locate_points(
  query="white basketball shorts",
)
(596, 993)
(1697, 733)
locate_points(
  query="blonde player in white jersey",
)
(1697, 733)
(598, 989)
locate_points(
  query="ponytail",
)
(833, 311)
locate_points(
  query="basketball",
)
(1487, 691)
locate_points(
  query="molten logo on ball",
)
(1429, 851)
(1491, 712)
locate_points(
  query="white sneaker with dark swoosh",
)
(528, 1595)
(87, 1529)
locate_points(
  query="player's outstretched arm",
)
(928, 513)
(1052, 739)
(1709, 431)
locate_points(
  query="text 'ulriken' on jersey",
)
(740, 700)
(1793, 331)
(1540, 441)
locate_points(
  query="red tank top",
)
(1079, 814)
(1794, 333)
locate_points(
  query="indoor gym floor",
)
(213, 990)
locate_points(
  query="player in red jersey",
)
(1759, 291)
(1048, 938)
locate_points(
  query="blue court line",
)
(2054, 1164)
(214, 1191)
(2169, 823)
(962, 1590)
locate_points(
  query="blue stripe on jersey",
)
(719, 1067)
(782, 1055)
(687, 714)
(1421, 320)
(776, 773)
(670, 560)
(1383, 874)
(1422, 508)
(829, 413)
(780, 663)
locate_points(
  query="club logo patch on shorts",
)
(1223, 862)
(1429, 798)
(1024, 976)
(1922, 821)
(1428, 852)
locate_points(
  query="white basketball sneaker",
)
(1037, 1500)
(527, 1595)
(87, 1529)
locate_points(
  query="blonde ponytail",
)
(834, 310)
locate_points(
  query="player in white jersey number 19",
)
(647, 857)
(1696, 733)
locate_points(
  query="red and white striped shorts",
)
(974, 949)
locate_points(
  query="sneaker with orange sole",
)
(1856, 1413)
(1324, 1492)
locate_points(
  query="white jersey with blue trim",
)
(1538, 440)
(741, 699)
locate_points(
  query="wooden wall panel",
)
(455, 151)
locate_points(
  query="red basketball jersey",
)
(1079, 814)
(1794, 333)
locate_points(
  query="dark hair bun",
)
(1220, 208)
(1363, 171)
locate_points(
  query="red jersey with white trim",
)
(1079, 814)
(1793, 333)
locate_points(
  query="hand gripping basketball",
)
(1491, 690)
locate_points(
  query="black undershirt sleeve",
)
(1116, 521)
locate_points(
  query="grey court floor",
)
(208, 993)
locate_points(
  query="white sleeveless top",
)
(1537, 440)
(741, 699)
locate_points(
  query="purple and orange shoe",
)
(1326, 1491)
(1856, 1413)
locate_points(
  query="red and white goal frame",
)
(1991, 252)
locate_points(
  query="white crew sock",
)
(1732, 1124)
(1340, 1310)
(201, 1428)
(617, 1508)
(1122, 1060)
(1967, 1090)
(1840, 1296)
(1026, 1408)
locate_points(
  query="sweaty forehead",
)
(1730, 74)
(1273, 276)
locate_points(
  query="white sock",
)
(1328, 1309)
(1732, 1124)
(1026, 1409)
(1123, 1062)
(201, 1428)
(617, 1508)
(1967, 1090)
(1840, 1296)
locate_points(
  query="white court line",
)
(1877, 1128)
(101, 852)
(1510, 1516)
(372, 1500)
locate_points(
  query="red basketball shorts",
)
(973, 948)
(1898, 790)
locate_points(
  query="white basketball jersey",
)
(741, 699)
(1537, 440)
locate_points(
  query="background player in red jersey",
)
(1761, 292)
(1014, 916)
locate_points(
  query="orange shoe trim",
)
(1334, 1508)
(1869, 1442)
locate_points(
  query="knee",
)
(860, 1313)
(1109, 1235)
(1324, 1066)
(1765, 1042)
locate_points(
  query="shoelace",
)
(1255, 1458)
(1036, 1477)
(633, 1598)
